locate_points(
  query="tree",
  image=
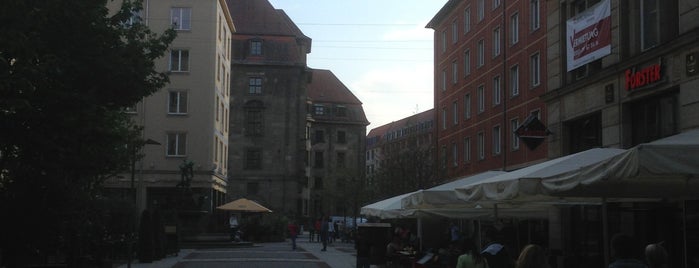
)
(406, 166)
(68, 69)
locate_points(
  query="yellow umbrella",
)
(243, 205)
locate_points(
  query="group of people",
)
(534, 256)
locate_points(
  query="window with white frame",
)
(535, 69)
(467, 62)
(496, 42)
(444, 118)
(467, 20)
(176, 144)
(455, 113)
(497, 91)
(481, 52)
(454, 155)
(481, 146)
(514, 124)
(179, 60)
(256, 47)
(467, 149)
(496, 3)
(481, 10)
(444, 80)
(467, 106)
(181, 18)
(454, 32)
(444, 41)
(481, 99)
(444, 157)
(497, 137)
(177, 102)
(255, 85)
(454, 72)
(514, 80)
(534, 15)
(514, 28)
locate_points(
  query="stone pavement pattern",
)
(262, 255)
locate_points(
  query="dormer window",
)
(256, 47)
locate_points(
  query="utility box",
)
(377, 235)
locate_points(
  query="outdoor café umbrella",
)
(243, 205)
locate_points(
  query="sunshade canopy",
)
(243, 205)
(444, 196)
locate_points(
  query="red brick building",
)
(490, 66)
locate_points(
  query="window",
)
(179, 60)
(444, 157)
(341, 111)
(318, 183)
(481, 146)
(454, 155)
(497, 91)
(341, 137)
(467, 62)
(318, 109)
(467, 106)
(467, 20)
(319, 160)
(514, 29)
(496, 42)
(650, 27)
(455, 112)
(535, 69)
(444, 118)
(253, 122)
(481, 10)
(481, 99)
(444, 80)
(454, 72)
(444, 41)
(467, 149)
(496, 140)
(481, 53)
(253, 188)
(253, 159)
(255, 85)
(534, 16)
(181, 18)
(177, 102)
(514, 80)
(341, 159)
(319, 136)
(256, 47)
(177, 144)
(454, 32)
(514, 124)
(496, 3)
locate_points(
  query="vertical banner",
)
(589, 35)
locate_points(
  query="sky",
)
(380, 50)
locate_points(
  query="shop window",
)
(585, 133)
(654, 118)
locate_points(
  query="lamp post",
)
(135, 193)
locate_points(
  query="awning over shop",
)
(387, 209)
(444, 196)
(527, 184)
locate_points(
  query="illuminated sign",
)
(646, 76)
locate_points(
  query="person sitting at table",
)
(393, 251)
(472, 257)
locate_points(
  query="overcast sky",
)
(380, 49)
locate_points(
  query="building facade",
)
(400, 156)
(185, 122)
(489, 68)
(268, 107)
(337, 129)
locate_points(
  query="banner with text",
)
(589, 35)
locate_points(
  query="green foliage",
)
(67, 71)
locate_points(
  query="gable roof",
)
(327, 88)
(259, 17)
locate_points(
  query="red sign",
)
(645, 76)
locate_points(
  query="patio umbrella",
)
(243, 205)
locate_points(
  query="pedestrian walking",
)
(317, 226)
(293, 232)
(311, 230)
(331, 231)
(324, 229)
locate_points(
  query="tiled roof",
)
(261, 18)
(325, 87)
